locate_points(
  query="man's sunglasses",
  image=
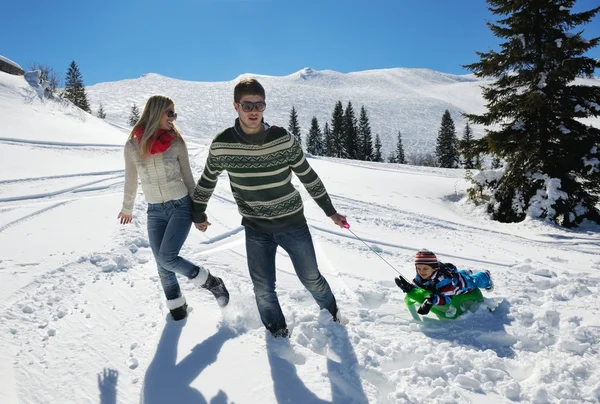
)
(171, 114)
(248, 106)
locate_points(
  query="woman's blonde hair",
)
(149, 122)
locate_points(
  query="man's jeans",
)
(261, 249)
(169, 224)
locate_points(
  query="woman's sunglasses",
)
(171, 114)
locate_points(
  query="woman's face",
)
(167, 118)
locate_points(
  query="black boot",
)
(179, 313)
(217, 288)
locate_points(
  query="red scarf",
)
(160, 144)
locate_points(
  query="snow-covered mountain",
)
(83, 319)
(408, 100)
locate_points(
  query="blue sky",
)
(217, 40)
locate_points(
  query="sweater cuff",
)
(126, 211)
(198, 217)
(329, 210)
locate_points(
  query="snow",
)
(10, 62)
(83, 318)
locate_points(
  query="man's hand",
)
(338, 219)
(202, 226)
(124, 219)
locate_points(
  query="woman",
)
(157, 153)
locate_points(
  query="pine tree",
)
(337, 132)
(327, 141)
(400, 157)
(101, 114)
(294, 127)
(377, 155)
(365, 140)
(467, 149)
(350, 133)
(74, 89)
(551, 158)
(134, 116)
(314, 142)
(447, 142)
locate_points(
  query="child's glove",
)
(404, 285)
(427, 304)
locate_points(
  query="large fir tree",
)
(314, 142)
(467, 149)
(446, 150)
(365, 139)
(134, 115)
(294, 127)
(337, 132)
(552, 167)
(74, 89)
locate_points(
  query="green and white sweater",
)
(260, 174)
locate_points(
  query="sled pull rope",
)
(346, 225)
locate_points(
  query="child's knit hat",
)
(426, 257)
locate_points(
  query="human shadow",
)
(166, 381)
(481, 330)
(346, 387)
(107, 384)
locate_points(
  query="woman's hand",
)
(124, 219)
(202, 226)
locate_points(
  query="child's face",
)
(424, 271)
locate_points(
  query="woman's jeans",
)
(169, 224)
(261, 249)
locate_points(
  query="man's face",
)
(248, 110)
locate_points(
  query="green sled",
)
(458, 305)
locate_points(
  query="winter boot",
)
(178, 308)
(281, 333)
(491, 287)
(217, 288)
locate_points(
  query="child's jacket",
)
(446, 282)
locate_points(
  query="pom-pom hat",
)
(426, 257)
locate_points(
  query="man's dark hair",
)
(248, 87)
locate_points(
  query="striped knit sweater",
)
(260, 176)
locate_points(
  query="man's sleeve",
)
(310, 179)
(205, 187)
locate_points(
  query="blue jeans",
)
(261, 249)
(169, 224)
(477, 280)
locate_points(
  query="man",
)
(259, 160)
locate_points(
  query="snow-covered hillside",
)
(82, 315)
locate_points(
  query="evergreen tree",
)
(365, 140)
(467, 149)
(328, 141)
(551, 158)
(134, 116)
(350, 133)
(314, 142)
(100, 112)
(337, 132)
(294, 127)
(400, 158)
(377, 155)
(447, 142)
(74, 89)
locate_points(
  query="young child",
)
(443, 280)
